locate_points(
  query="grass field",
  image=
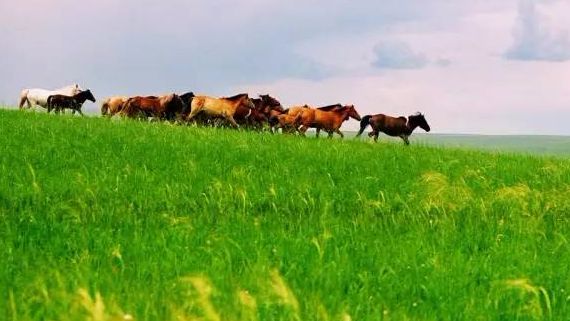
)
(120, 220)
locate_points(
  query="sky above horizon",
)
(485, 67)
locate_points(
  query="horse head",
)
(270, 102)
(86, 95)
(419, 120)
(351, 112)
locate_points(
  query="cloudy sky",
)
(472, 66)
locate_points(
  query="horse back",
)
(390, 125)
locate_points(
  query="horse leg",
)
(330, 134)
(79, 111)
(339, 132)
(231, 119)
(405, 138)
(23, 100)
(375, 134)
(193, 114)
(318, 132)
(303, 130)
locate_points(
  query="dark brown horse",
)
(75, 102)
(250, 117)
(393, 126)
(162, 107)
(268, 105)
(328, 118)
(187, 101)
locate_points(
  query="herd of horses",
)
(237, 111)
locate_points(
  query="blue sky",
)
(490, 67)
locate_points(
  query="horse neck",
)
(411, 126)
(81, 97)
(240, 102)
(343, 114)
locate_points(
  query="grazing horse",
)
(162, 107)
(219, 107)
(37, 96)
(328, 118)
(393, 126)
(113, 105)
(75, 102)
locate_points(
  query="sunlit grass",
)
(123, 220)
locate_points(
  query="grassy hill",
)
(118, 220)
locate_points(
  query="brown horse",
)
(113, 105)
(250, 117)
(328, 118)
(393, 126)
(219, 107)
(162, 107)
(266, 104)
(75, 102)
(287, 123)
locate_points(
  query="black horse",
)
(75, 102)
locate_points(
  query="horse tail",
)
(105, 107)
(49, 103)
(363, 124)
(23, 98)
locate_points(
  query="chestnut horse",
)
(328, 118)
(287, 123)
(250, 117)
(113, 105)
(162, 107)
(75, 102)
(393, 126)
(219, 107)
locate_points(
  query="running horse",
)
(251, 117)
(161, 107)
(287, 123)
(113, 105)
(220, 107)
(328, 118)
(38, 96)
(75, 102)
(393, 126)
(268, 105)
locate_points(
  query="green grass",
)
(107, 219)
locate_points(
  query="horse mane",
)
(329, 107)
(188, 94)
(82, 93)
(236, 97)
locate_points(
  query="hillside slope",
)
(112, 219)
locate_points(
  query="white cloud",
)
(535, 38)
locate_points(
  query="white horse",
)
(37, 96)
